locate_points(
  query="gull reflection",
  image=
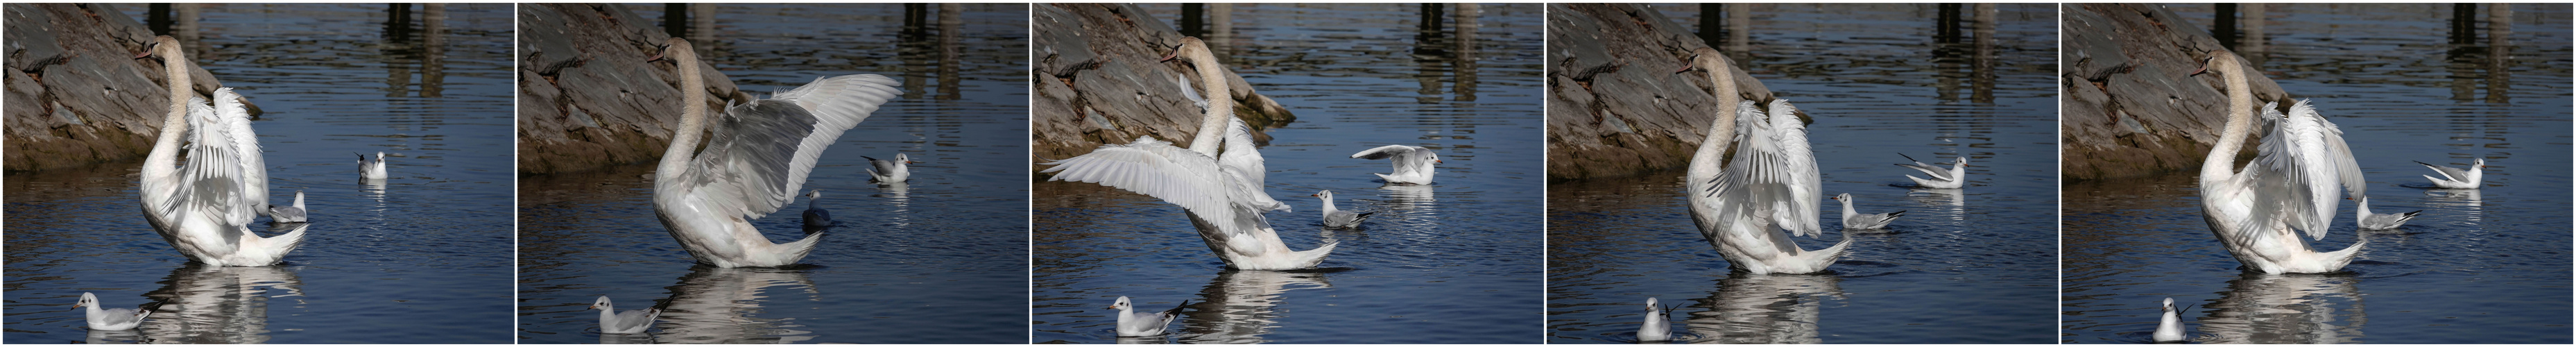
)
(2467, 203)
(1766, 309)
(1951, 202)
(2285, 308)
(716, 305)
(217, 304)
(1239, 305)
(1407, 197)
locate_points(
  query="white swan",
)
(204, 209)
(2375, 221)
(890, 171)
(371, 168)
(1413, 165)
(1658, 325)
(757, 158)
(1132, 323)
(1772, 184)
(110, 318)
(1240, 154)
(2169, 328)
(1335, 218)
(1222, 200)
(1953, 178)
(629, 322)
(815, 215)
(289, 214)
(1853, 219)
(2293, 184)
(2456, 178)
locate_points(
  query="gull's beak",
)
(1440, 161)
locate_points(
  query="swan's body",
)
(2292, 185)
(289, 214)
(1658, 325)
(629, 322)
(1772, 186)
(204, 208)
(815, 216)
(1336, 218)
(1413, 165)
(1240, 154)
(1853, 219)
(1132, 323)
(110, 318)
(372, 168)
(2374, 221)
(890, 171)
(2169, 328)
(759, 156)
(1953, 178)
(2457, 178)
(1223, 200)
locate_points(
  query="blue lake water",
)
(2478, 266)
(1457, 261)
(1972, 265)
(941, 259)
(421, 257)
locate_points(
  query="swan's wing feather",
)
(1157, 169)
(213, 181)
(1191, 93)
(228, 107)
(1806, 185)
(2294, 178)
(760, 152)
(2339, 153)
(1244, 158)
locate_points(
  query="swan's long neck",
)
(163, 160)
(693, 115)
(1220, 103)
(1721, 132)
(2221, 163)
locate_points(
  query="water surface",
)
(1971, 265)
(423, 256)
(2478, 266)
(1456, 261)
(940, 259)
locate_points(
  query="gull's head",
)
(817, 194)
(1843, 197)
(2169, 308)
(1963, 161)
(1121, 305)
(2480, 163)
(1326, 194)
(904, 158)
(1435, 157)
(380, 156)
(600, 304)
(88, 300)
(1651, 305)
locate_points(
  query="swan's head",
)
(1121, 305)
(163, 47)
(1189, 48)
(86, 299)
(1326, 194)
(601, 304)
(2216, 59)
(674, 49)
(1704, 59)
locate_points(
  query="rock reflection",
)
(1764, 309)
(1240, 305)
(217, 304)
(2283, 309)
(717, 305)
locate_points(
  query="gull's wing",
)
(636, 318)
(120, 316)
(885, 166)
(2295, 177)
(2449, 173)
(1936, 172)
(1406, 158)
(1157, 169)
(228, 108)
(1387, 151)
(759, 154)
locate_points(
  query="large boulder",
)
(76, 94)
(588, 97)
(1099, 80)
(1615, 108)
(2131, 108)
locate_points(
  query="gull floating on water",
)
(1852, 219)
(2298, 174)
(2169, 328)
(629, 322)
(815, 216)
(371, 168)
(1658, 325)
(111, 318)
(1132, 323)
(758, 155)
(1336, 218)
(1953, 178)
(1413, 165)
(2375, 221)
(890, 171)
(204, 209)
(289, 214)
(2456, 178)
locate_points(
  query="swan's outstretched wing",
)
(1244, 159)
(1191, 93)
(2348, 170)
(1806, 185)
(1769, 176)
(254, 168)
(212, 184)
(760, 152)
(1157, 169)
(2296, 176)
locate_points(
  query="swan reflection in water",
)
(1762, 309)
(217, 304)
(1240, 306)
(718, 305)
(2284, 309)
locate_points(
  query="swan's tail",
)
(2336, 260)
(793, 251)
(1819, 259)
(1310, 258)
